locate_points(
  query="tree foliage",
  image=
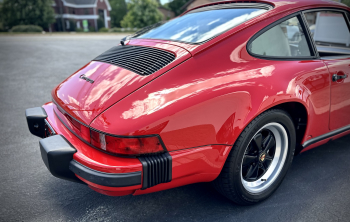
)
(346, 2)
(176, 5)
(26, 28)
(141, 13)
(119, 10)
(27, 12)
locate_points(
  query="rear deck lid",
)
(113, 75)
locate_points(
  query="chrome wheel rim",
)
(264, 158)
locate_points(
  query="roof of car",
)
(298, 3)
(281, 4)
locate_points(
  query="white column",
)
(105, 15)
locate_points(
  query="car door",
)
(330, 32)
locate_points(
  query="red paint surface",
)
(340, 93)
(84, 101)
(201, 106)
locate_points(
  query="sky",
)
(161, 1)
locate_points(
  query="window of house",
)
(71, 11)
(330, 31)
(286, 39)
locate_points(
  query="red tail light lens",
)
(113, 144)
(126, 146)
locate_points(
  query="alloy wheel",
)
(264, 158)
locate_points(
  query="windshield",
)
(201, 26)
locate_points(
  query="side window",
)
(286, 39)
(330, 32)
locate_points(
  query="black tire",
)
(230, 181)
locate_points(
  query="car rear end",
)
(110, 164)
(109, 158)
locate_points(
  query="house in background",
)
(167, 14)
(73, 14)
(194, 3)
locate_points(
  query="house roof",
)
(84, 3)
(190, 2)
(160, 7)
(81, 2)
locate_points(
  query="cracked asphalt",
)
(315, 189)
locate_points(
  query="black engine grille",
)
(139, 59)
(156, 169)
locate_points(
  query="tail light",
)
(126, 145)
(112, 144)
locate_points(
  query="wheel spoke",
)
(257, 142)
(269, 142)
(252, 172)
(266, 165)
(250, 150)
(268, 157)
(248, 160)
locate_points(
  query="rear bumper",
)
(68, 157)
(105, 179)
(57, 155)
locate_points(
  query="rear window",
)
(200, 26)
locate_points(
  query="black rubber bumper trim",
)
(36, 121)
(156, 169)
(57, 153)
(105, 179)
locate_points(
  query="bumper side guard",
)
(57, 153)
(36, 121)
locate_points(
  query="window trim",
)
(265, 6)
(314, 54)
(346, 15)
(311, 39)
(230, 5)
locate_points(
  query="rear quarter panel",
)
(213, 96)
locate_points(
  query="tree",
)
(118, 12)
(141, 13)
(176, 5)
(346, 2)
(27, 12)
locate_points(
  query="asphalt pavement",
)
(315, 189)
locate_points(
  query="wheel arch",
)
(299, 112)
(299, 115)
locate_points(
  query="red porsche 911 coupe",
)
(227, 93)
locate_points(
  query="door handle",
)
(337, 77)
